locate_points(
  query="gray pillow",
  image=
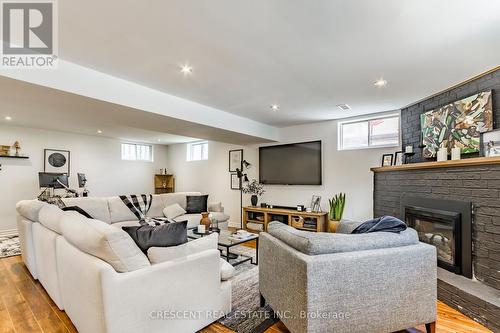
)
(164, 235)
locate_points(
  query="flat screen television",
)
(291, 164)
(48, 179)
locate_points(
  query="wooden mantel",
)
(445, 164)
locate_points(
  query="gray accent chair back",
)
(320, 282)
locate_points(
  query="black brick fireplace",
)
(445, 224)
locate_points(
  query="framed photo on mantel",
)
(235, 159)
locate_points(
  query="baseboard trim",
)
(9, 233)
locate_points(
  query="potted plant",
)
(337, 205)
(255, 189)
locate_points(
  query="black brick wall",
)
(481, 311)
(479, 184)
(410, 116)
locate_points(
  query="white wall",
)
(343, 171)
(98, 157)
(211, 176)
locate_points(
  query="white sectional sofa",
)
(95, 272)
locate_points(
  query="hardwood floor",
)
(25, 307)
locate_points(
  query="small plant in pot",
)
(337, 205)
(255, 189)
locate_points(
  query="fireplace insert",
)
(446, 224)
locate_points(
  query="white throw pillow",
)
(157, 255)
(174, 210)
(103, 241)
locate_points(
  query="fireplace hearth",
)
(446, 224)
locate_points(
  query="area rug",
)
(9, 246)
(247, 316)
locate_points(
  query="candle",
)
(442, 154)
(455, 153)
(409, 149)
(201, 229)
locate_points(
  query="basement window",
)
(369, 133)
(137, 152)
(197, 151)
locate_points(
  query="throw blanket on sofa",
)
(384, 223)
(138, 205)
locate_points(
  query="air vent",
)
(343, 107)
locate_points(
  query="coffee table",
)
(225, 243)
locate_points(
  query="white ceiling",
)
(37, 106)
(306, 56)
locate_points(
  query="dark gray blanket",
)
(384, 223)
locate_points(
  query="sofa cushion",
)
(164, 235)
(215, 207)
(160, 254)
(220, 217)
(157, 206)
(314, 243)
(78, 210)
(226, 270)
(196, 204)
(50, 217)
(104, 241)
(347, 226)
(193, 219)
(30, 209)
(132, 223)
(118, 211)
(173, 211)
(177, 197)
(95, 207)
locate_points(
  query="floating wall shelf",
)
(13, 156)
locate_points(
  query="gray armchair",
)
(320, 282)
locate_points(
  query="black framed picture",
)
(387, 159)
(235, 159)
(398, 158)
(56, 161)
(235, 182)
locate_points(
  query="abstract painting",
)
(458, 124)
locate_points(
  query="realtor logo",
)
(29, 34)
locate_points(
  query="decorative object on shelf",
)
(164, 183)
(205, 221)
(409, 149)
(457, 124)
(300, 208)
(235, 182)
(398, 157)
(56, 161)
(4, 150)
(442, 154)
(316, 204)
(387, 159)
(337, 205)
(490, 143)
(17, 147)
(255, 189)
(235, 159)
(297, 222)
(456, 153)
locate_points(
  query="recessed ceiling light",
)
(380, 83)
(159, 140)
(275, 107)
(8, 118)
(99, 132)
(343, 107)
(186, 69)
